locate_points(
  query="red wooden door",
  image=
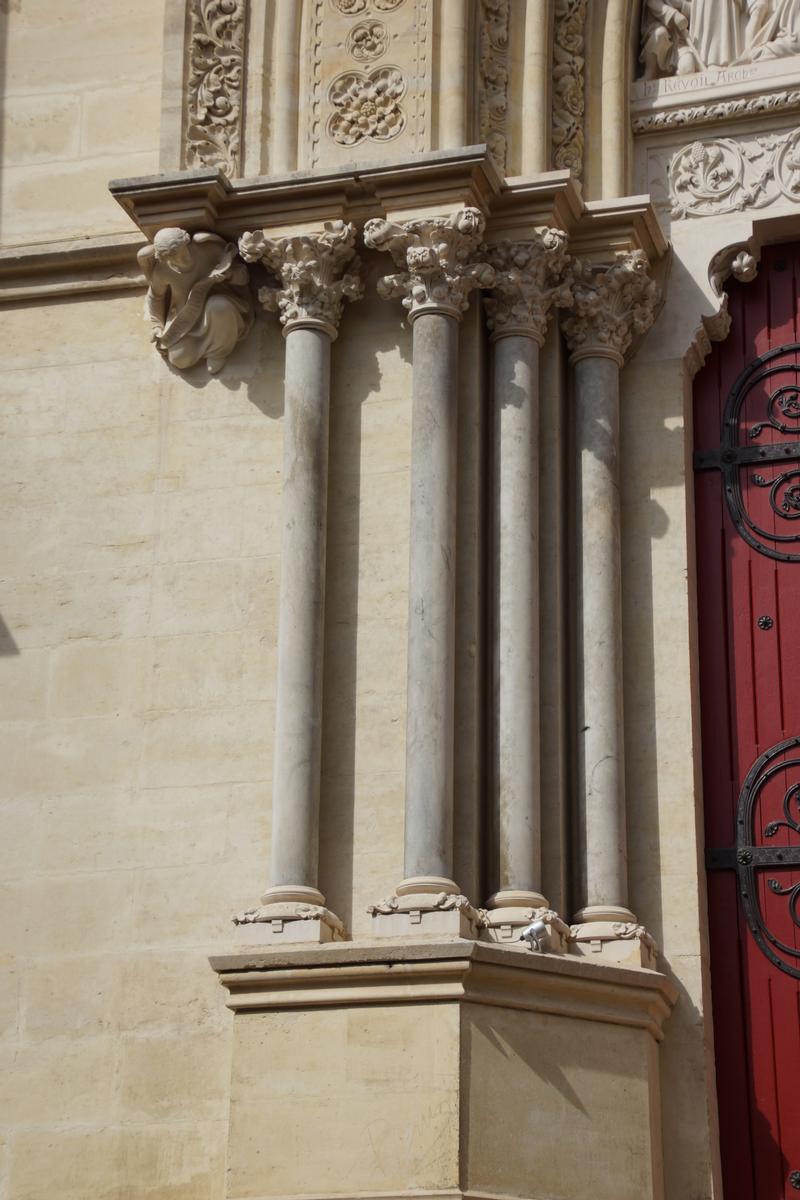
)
(747, 491)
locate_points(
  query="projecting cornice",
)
(431, 185)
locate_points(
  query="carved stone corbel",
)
(198, 299)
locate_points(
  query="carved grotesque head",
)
(172, 246)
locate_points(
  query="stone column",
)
(611, 304)
(309, 303)
(434, 283)
(528, 283)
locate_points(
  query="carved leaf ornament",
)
(216, 58)
(356, 8)
(724, 176)
(568, 85)
(367, 106)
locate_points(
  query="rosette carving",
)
(367, 106)
(214, 91)
(529, 281)
(435, 256)
(610, 305)
(311, 268)
(368, 41)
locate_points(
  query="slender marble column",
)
(528, 283)
(611, 305)
(434, 283)
(309, 303)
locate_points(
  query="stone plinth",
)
(442, 1068)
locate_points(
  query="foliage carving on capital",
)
(311, 268)
(436, 256)
(611, 304)
(198, 298)
(529, 280)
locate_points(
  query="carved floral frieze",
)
(367, 106)
(356, 8)
(568, 85)
(723, 110)
(493, 89)
(723, 176)
(215, 70)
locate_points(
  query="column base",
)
(439, 1069)
(504, 923)
(425, 905)
(288, 921)
(620, 943)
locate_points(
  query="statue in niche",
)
(683, 36)
(197, 299)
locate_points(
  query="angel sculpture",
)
(198, 300)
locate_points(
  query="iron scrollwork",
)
(783, 417)
(747, 858)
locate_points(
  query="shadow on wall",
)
(371, 332)
(257, 358)
(656, 445)
(7, 644)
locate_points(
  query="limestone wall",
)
(81, 104)
(140, 569)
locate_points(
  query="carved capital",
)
(610, 305)
(198, 299)
(311, 268)
(434, 255)
(529, 279)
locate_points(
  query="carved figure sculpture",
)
(773, 34)
(681, 36)
(666, 46)
(197, 297)
(718, 29)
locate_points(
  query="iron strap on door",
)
(782, 414)
(747, 858)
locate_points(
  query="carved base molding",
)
(414, 912)
(506, 924)
(442, 1069)
(274, 924)
(622, 942)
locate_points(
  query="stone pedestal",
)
(448, 1068)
